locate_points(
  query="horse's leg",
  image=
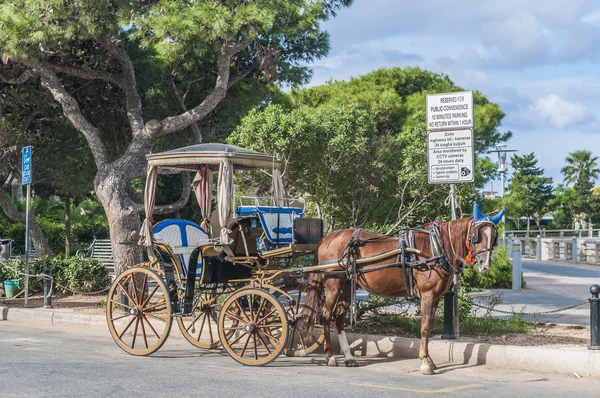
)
(340, 322)
(429, 360)
(427, 310)
(333, 288)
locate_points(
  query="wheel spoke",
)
(119, 317)
(150, 295)
(137, 323)
(269, 335)
(164, 302)
(144, 287)
(144, 333)
(209, 327)
(151, 327)
(155, 317)
(266, 316)
(201, 326)
(251, 305)
(242, 309)
(135, 292)
(120, 304)
(127, 327)
(255, 348)
(260, 308)
(126, 292)
(263, 343)
(238, 339)
(235, 317)
(245, 346)
(193, 321)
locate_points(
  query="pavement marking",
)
(17, 342)
(442, 390)
(264, 372)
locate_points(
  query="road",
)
(56, 361)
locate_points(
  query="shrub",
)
(74, 273)
(499, 276)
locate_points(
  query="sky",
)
(539, 60)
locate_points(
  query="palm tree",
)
(578, 163)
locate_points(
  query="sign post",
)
(26, 180)
(450, 142)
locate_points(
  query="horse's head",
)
(481, 238)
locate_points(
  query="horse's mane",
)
(453, 246)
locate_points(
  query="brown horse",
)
(467, 240)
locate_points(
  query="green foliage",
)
(370, 138)
(498, 276)
(530, 191)
(580, 166)
(74, 273)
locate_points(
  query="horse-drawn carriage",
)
(241, 289)
(245, 288)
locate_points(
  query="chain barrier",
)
(533, 313)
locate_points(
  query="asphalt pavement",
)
(41, 361)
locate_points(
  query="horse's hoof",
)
(351, 363)
(426, 369)
(332, 362)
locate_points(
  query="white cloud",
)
(560, 113)
(592, 18)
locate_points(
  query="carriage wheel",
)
(201, 329)
(259, 325)
(298, 346)
(138, 311)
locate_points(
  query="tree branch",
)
(179, 122)
(87, 74)
(18, 80)
(177, 205)
(181, 99)
(133, 103)
(73, 113)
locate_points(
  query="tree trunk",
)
(68, 225)
(123, 216)
(37, 235)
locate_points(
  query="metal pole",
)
(538, 248)
(27, 244)
(502, 199)
(574, 250)
(451, 322)
(47, 287)
(594, 317)
(516, 266)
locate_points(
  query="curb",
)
(538, 359)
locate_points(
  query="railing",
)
(587, 250)
(552, 233)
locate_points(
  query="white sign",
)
(450, 111)
(451, 158)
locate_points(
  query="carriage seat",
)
(277, 222)
(183, 236)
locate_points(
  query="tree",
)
(383, 183)
(580, 163)
(530, 191)
(130, 52)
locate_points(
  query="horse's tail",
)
(312, 305)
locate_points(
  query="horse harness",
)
(406, 259)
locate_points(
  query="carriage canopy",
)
(205, 159)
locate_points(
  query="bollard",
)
(574, 249)
(594, 317)
(448, 332)
(47, 287)
(516, 265)
(510, 246)
(538, 248)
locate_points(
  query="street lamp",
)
(502, 167)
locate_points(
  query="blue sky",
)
(539, 60)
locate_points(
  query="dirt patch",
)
(541, 334)
(87, 304)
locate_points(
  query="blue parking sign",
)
(26, 165)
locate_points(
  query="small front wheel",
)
(138, 311)
(253, 326)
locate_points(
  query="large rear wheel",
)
(201, 329)
(138, 311)
(253, 326)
